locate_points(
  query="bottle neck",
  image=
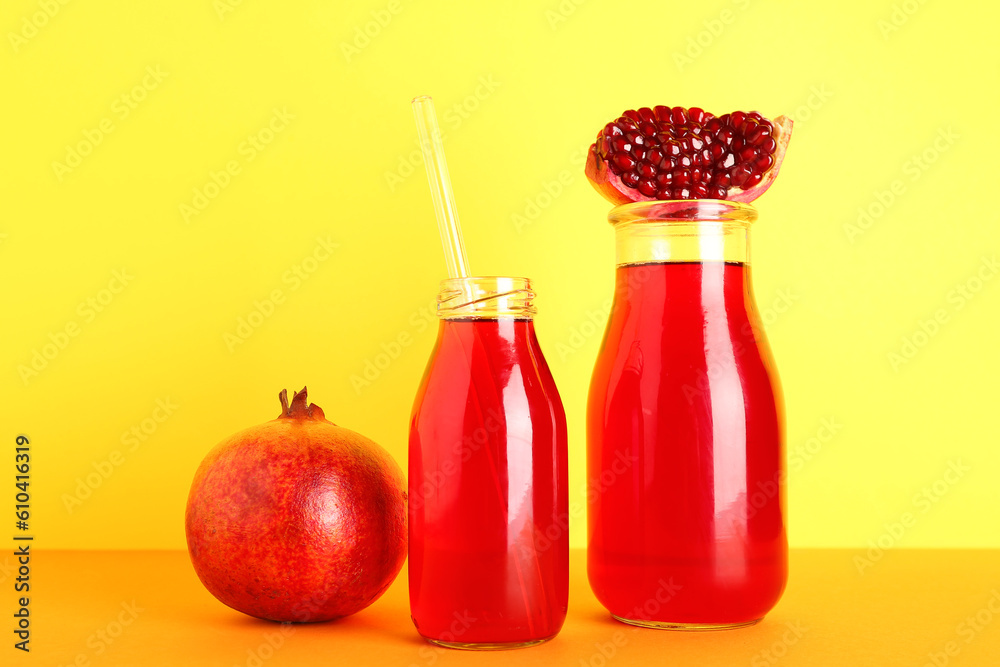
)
(485, 298)
(682, 231)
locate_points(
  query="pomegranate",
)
(677, 153)
(297, 519)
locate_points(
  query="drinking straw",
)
(440, 182)
(458, 267)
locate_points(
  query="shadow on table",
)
(383, 624)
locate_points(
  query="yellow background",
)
(522, 89)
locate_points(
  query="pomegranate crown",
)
(299, 408)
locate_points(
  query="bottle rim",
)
(486, 297)
(683, 211)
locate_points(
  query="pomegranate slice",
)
(677, 153)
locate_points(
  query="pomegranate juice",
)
(686, 481)
(488, 552)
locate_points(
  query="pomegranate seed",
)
(756, 137)
(726, 135)
(654, 156)
(672, 148)
(768, 145)
(747, 154)
(699, 192)
(740, 174)
(685, 161)
(649, 129)
(639, 154)
(620, 145)
(727, 161)
(753, 180)
(682, 193)
(645, 170)
(623, 162)
(706, 157)
(736, 119)
(696, 174)
(630, 179)
(717, 192)
(663, 194)
(722, 180)
(678, 116)
(613, 130)
(713, 125)
(665, 179)
(626, 123)
(633, 115)
(647, 114)
(647, 188)
(762, 164)
(698, 115)
(662, 113)
(717, 150)
(682, 177)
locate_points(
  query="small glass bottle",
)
(488, 503)
(685, 427)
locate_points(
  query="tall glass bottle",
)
(488, 515)
(685, 427)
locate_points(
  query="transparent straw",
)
(440, 182)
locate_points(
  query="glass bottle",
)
(488, 515)
(685, 427)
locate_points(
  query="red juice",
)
(488, 515)
(685, 451)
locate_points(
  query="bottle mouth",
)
(689, 230)
(683, 211)
(486, 297)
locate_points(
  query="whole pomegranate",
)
(297, 519)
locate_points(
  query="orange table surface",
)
(908, 607)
